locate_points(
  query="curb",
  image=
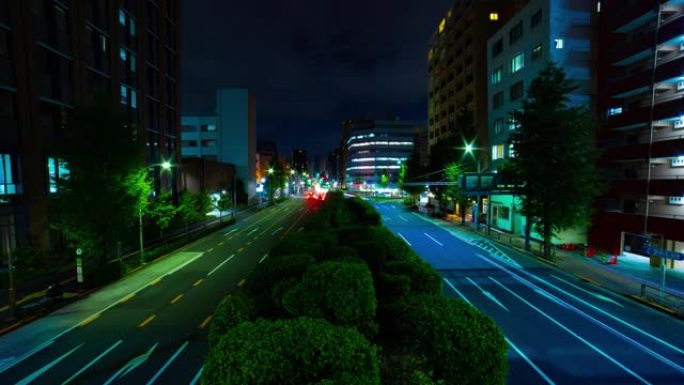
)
(656, 306)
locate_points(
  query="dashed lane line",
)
(166, 365)
(198, 282)
(176, 299)
(205, 322)
(433, 239)
(147, 321)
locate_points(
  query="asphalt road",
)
(155, 333)
(560, 330)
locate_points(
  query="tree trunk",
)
(528, 230)
(547, 240)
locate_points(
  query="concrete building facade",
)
(227, 135)
(543, 31)
(641, 107)
(55, 55)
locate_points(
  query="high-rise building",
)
(228, 135)
(267, 151)
(373, 151)
(544, 31)
(457, 64)
(300, 161)
(334, 165)
(54, 55)
(641, 104)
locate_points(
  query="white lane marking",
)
(456, 290)
(405, 240)
(597, 295)
(220, 264)
(253, 231)
(532, 364)
(569, 331)
(231, 231)
(585, 315)
(487, 294)
(262, 258)
(195, 379)
(210, 250)
(535, 367)
(386, 218)
(402, 218)
(132, 364)
(91, 363)
(279, 229)
(166, 365)
(47, 367)
(436, 241)
(299, 230)
(28, 354)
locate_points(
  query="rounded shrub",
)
(340, 291)
(460, 343)
(232, 311)
(295, 351)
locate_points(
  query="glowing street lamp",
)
(166, 165)
(270, 171)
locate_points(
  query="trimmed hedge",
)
(295, 351)
(461, 344)
(269, 280)
(401, 278)
(342, 292)
(232, 311)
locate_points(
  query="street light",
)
(165, 166)
(470, 149)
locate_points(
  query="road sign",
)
(79, 269)
(658, 252)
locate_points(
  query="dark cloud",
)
(310, 63)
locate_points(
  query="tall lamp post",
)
(469, 149)
(165, 166)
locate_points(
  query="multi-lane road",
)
(560, 330)
(151, 326)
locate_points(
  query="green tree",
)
(384, 179)
(291, 352)
(96, 207)
(276, 179)
(454, 192)
(555, 156)
(412, 172)
(223, 203)
(162, 210)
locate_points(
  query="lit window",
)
(511, 151)
(598, 6)
(122, 17)
(498, 126)
(132, 63)
(614, 111)
(681, 46)
(679, 124)
(497, 151)
(211, 127)
(122, 54)
(124, 95)
(494, 16)
(442, 24)
(496, 75)
(7, 186)
(513, 124)
(518, 62)
(680, 86)
(131, 27)
(537, 52)
(103, 43)
(57, 169)
(558, 43)
(134, 99)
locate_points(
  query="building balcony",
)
(671, 30)
(668, 107)
(627, 118)
(626, 51)
(662, 149)
(670, 69)
(624, 19)
(660, 187)
(631, 82)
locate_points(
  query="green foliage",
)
(384, 180)
(231, 312)
(555, 156)
(411, 172)
(340, 291)
(362, 213)
(194, 207)
(276, 178)
(401, 278)
(295, 351)
(461, 345)
(269, 281)
(95, 207)
(162, 210)
(319, 244)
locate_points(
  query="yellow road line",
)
(198, 282)
(178, 297)
(146, 321)
(210, 250)
(221, 243)
(231, 237)
(242, 282)
(205, 322)
(156, 281)
(127, 298)
(89, 320)
(240, 249)
(249, 243)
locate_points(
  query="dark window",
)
(152, 49)
(515, 33)
(209, 143)
(497, 99)
(517, 91)
(97, 10)
(497, 48)
(170, 92)
(537, 52)
(188, 128)
(536, 19)
(152, 11)
(189, 143)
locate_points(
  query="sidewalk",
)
(632, 276)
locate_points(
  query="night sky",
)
(310, 64)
